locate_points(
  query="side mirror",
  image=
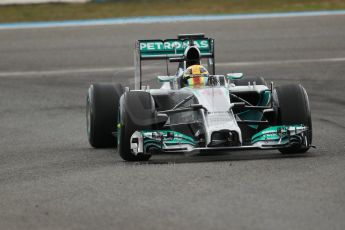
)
(166, 78)
(234, 76)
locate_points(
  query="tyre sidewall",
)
(130, 116)
(102, 109)
(292, 105)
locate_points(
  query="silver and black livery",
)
(231, 112)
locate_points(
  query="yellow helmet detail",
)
(195, 76)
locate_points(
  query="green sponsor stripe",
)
(171, 46)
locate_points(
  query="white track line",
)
(39, 73)
(283, 62)
(64, 72)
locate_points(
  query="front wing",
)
(275, 137)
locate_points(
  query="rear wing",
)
(167, 49)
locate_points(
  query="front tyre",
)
(102, 105)
(293, 109)
(137, 111)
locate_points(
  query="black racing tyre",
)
(137, 112)
(102, 106)
(246, 80)
(293, 109)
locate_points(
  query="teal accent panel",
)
(254, 114)
(157, 141)
(275, 133)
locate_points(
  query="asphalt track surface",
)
(50, 178)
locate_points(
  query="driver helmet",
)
(195, 76)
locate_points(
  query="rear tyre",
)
(246, 81)
(102, 105)
(293, 108)
(137, 111)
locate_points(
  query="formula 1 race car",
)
(227, 112)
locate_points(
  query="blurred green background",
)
(131, 8)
